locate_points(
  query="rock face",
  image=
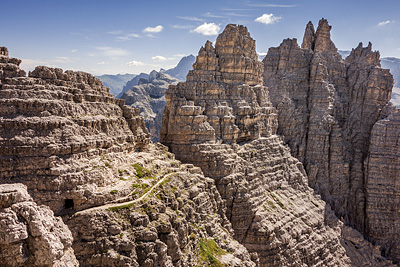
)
(222, 120)
(30, 235)
(327, 109)
(382, 175)
(57, 131)
(89, 158)
(167, 228)
(148, 96)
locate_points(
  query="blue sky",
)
(122, 36)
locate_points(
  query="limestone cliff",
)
(148, 96)
(327, 108)
(58, 129)
(88, 157)
(221, 119)
(30, 235)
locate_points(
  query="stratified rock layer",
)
(30, 235)
(166, 228)
(57, 129)
(221, 119)
(327, 108)
(148, 96)
(383, 186)
(78, 149)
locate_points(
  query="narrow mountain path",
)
(127, 203)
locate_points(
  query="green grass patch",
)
(140, 170)
(140, 186)
(209, 251)
(117, 208)
(113, 192)
(278, 201)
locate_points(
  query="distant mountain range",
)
(115, 82)
(148, 96)
(182, 69)
(135, 81)
(121, 83)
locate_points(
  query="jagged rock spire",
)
(364, 55)
(321, 39)
(309, 37)
(233, 60)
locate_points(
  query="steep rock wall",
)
(221, 119)
(55, 127)
(327, 108)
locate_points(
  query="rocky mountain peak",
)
(3, 51)
(309, 37)
(364, 56)
(233, 60)
(327, 108)
(321, 39)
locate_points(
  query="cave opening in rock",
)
(69, 204)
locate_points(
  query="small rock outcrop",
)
(148, 96)
(30, 235)
(221, 119)
(327, 109)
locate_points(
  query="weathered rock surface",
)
(148, 96)
(327, 108)
(58, 131)
(221, 119)
(164, 229)
(30, 235)
(76, 148)
(382, 185)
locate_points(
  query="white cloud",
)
(180, 55)
(190, 18)
(158, 58)
(102, 63)
(182, 26)
(270, 5)
(383, 23)
(133, 35)
(268, 19)
(155, 29)
(115, 32)
(61, 60)
(261, 53)
(210, 15)
(233, 14)
(135, 63)
(208, 29)
(112, 52)
(74, 50)
(128, 36)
